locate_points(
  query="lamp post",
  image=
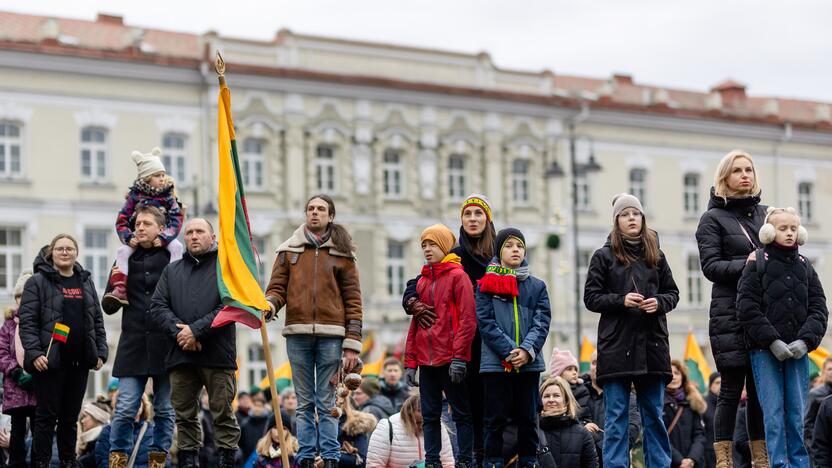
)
(575, 169)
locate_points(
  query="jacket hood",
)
(298, 242)
(554, 423)
(381, 402)
(359, 423)
(43, 265)
(732, 203)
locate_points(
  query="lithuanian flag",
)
(586, 355)
(816, 359)
(240, 291)
(282, 378)
(60, 332)
(373, 369)
(698, 369)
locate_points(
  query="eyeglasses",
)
(64, 249)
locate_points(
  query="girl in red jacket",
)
(442, 349)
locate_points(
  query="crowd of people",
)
(473, 388)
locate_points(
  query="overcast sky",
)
(774, 47)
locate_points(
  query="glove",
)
(410, 377)
(798, 349)
(25, 381)
(15, 374)
(457, 370)
(781, 350)
(270, 314)
(423, 313)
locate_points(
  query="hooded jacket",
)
(41, 307)
(355, 431)
(727, 234)
(446, 287)
(13, 395)
(320, 288)
(378, 406)
(631, 342)
(569, 442)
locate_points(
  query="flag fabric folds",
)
(241, 294)
(60, 332)
(699, 372)
(816, 359)
(282, 378)
(585, 360)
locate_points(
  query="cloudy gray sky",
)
(774, 47)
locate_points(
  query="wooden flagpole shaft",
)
(264, 334)
(48, 348)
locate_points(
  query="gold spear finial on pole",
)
(219, 67)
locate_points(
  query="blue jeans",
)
(650, 398)
(314, 359)
(782, 388)
(128, 402)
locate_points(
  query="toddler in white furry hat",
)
(153, 187)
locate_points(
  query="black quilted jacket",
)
(723, 250)
(785, 302)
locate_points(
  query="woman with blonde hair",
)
(683, 410)
(398, 441)
(728, 238)
(267, 452)
(568, 441)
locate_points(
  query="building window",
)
(11, 257)
(393, 172)
(256, 365)
(395, 268)
(265, 274)
(95, 256)
(694, 277)
(10, 144)
(456, 177)
(691, 184)
(804, 201)
(94, 154)
(253, 164)
(325, 168)
(174, 157)
(520, 181)
(638, 185)
(584, 190)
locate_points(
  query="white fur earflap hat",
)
(768, 232)
(148, 164)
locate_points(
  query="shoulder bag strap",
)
(675, 420)
(742, 228)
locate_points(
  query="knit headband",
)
(477, 201)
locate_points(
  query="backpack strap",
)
(761, 262)
(390, 430)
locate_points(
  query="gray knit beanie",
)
(21, 283)
(622, 201)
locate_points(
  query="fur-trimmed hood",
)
(359, 423)
(696, 400)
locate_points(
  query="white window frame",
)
(638, 185)
(457, 177)
(253, 164)
(13, 257)
(805, 201)
(175, 157)
(98, 152)
(395, 270)
(255, 368)
(694, 281)
(8, 145)
(265, 274)
(584, 192)
(521, 182)
(393, 174)
(326, 169)
(96, 257)
(691, 194)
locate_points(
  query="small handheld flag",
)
(60, 333)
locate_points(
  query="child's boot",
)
(117, 297)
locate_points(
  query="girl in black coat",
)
(569, 442)
(630, 284)
(60, 292)
(683, 410)
(727, 239)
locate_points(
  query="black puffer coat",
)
(41, 307)
(784, 302)
(569, 442)
(141, 347)
(631, 342)
(723, 252)
(687, 440)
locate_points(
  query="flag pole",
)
(219, 67)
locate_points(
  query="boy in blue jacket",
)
(513, 315)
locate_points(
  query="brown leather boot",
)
(115, 299)
(118, 460)
(759, 454)
(724, 454)
(156, 459)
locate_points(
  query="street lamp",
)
(575, 169)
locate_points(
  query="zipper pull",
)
(316, 252)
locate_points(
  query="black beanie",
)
(503, 236)
(714, 376)
(287, 422)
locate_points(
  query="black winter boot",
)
(188, 459)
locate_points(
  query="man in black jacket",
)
(816, 396)
(391, 384)
(142, 348)
(185, 303)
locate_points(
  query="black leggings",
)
(733, 380)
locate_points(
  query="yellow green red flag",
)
(699, 371)
(282, 378)
(240, 291)
(816, 359)
(585, 359)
